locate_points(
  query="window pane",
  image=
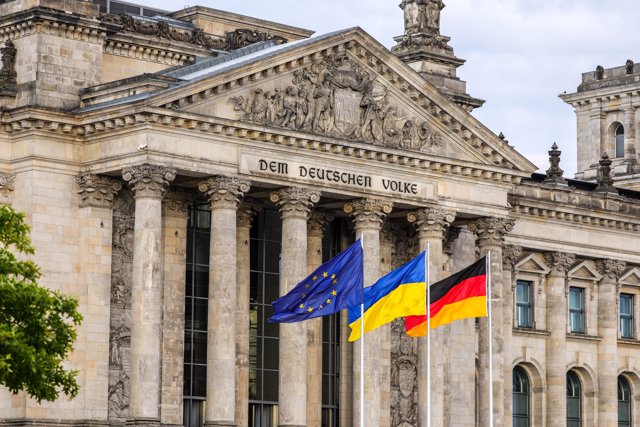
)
(620, 142)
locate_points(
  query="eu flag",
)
(334, 286)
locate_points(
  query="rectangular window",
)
(524, 308)
(626, 316)
(576, 310)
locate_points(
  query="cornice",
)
(139, 48)
(40, 20)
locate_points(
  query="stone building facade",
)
(181, 170)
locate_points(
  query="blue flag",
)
(334, 286)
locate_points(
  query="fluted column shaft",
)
(490, 234)
(295, 205)
(245, 215)
(149, 184)
(556, 293)
(607, 348)
(431, 225)
(315, 232)
(368, 216)
(224, 194)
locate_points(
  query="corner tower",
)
(424, 49)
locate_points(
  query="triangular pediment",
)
(532, 264)
(631, 277)
(344, 86)
(585, 270)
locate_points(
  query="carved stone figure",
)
(604, 178)
(628, 66)
(404, 373)
(119, 396)
(8, 75)
(599, 72)
(421, 16)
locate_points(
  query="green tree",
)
(37, 325)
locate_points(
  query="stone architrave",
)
(295, 207)
(490, 233)
(224, 194)
(246, 211)
(7, 185)
(149, 184)
(510, 256)
(559, 264)
(368, 216)
(611, 270)
(431, 225)
(315, 231)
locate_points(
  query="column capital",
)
(387, 232)
(97, 191)
(510, 255)
(610, 269)
(490, 231)
(295, 202)
(559, 262)
(150, 181)
(224, 192)
(318, 219)
(431, 222)
(368, 213)
(178, 200)
(6, 184)
(246, 211)
(450, 236)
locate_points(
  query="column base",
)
(219, 424)
(144, 422)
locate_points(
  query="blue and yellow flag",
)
(403, 292)
(334, 286)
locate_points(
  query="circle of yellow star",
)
(333, 276)
(301, 306)
(335, 282)
(320, 306)
(329, 301)
(325, 274)
(315, 278)
(334, 293)
(310, 309)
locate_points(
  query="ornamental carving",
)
(8, 75)
(246, 211)
(158, 28)
(318, 219)
(559, 262)
(149, 180)
(224, 192)
(554, 173)
(431, 222)
(368, 213)
(510, 255)
(450, 236)
(491, 231)
(178, 200)
(7, 185)
(295, 202)
(406, 246)
(97, 191)
(338, 98)
(422, 16)
(611, 269)
(404, 377)
(604, 178)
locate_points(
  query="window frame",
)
(619, 141)
(581, 311)
(629, 317)
(521, 374)
(629, 391)
(528, 306)
(573, 384)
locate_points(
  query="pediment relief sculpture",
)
(338, 98)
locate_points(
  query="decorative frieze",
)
(295, 202)
(490, 230)
(368, 213)
(97, 191)
(224, 192)
(149, 180)
(431, 222)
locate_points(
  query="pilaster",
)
(224, 194)
(490, 233)
(295, 205)
(368, 216)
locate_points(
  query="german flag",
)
(459, 296)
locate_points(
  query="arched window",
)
(624, 402)
(574, 400)
(620, 141)
(520, 395)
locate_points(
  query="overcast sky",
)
(520, 53)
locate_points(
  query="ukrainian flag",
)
(403, 292)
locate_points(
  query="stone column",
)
(611, 271)
(224, 194)
(295, 206)
(490, 234)
(431, 225)
(95, 220)
(510, 255)
(630, 133)
(368, 216)
(315, 231)
(246, 211)
(6, 188)
(148, 184)
(556, 294)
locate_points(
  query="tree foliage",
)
(37, 325)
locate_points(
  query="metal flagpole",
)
(362, 349)
(488, 261)
(426, 281)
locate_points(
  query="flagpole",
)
(426, 270)
(362, 350)
(488, 261)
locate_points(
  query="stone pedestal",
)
(368, 216)
(490, 234)
(431, 224)
(224, 194)
(148, 184)
(556, 293)
(295, 205)
(607, 348)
